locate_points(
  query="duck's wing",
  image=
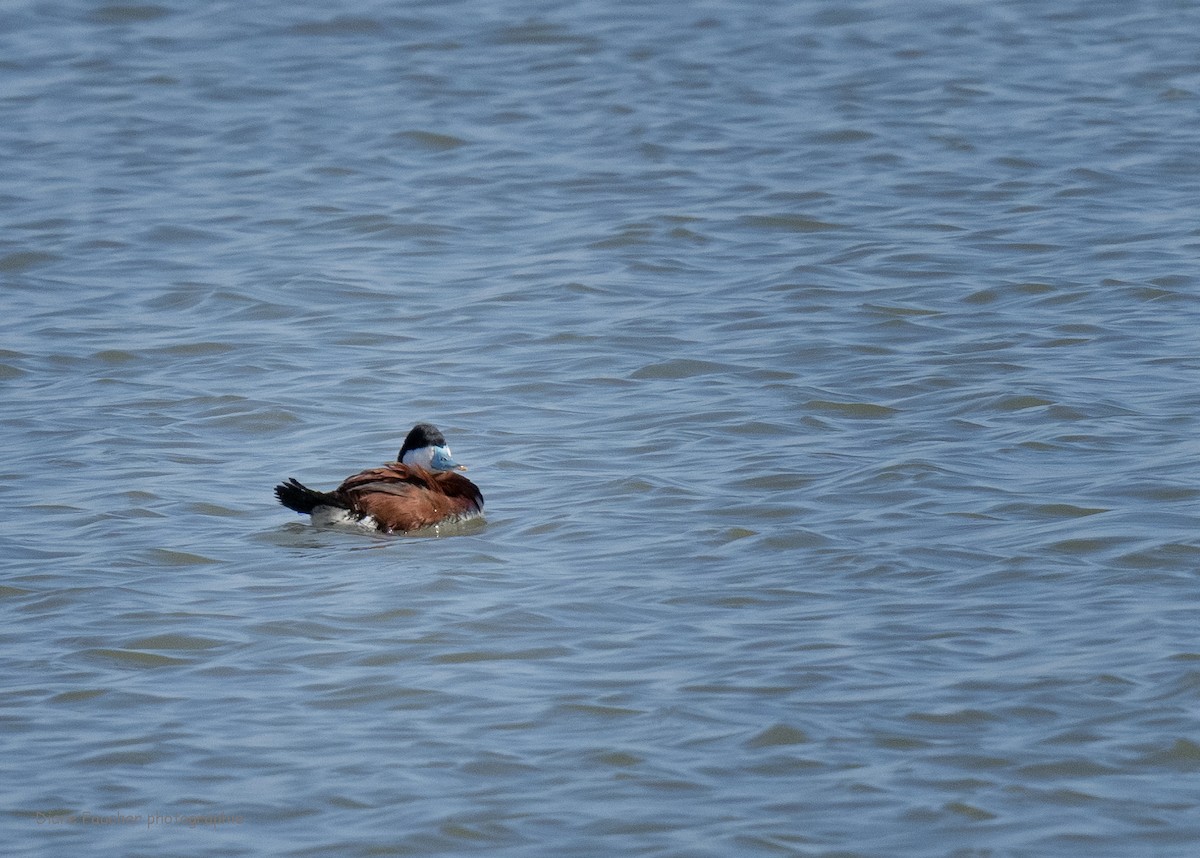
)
(393, 478)
(466, 496)
(399, 497)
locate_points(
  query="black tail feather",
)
(299, 497)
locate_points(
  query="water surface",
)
(829, 370)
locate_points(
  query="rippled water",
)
(830, 370)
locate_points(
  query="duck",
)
(422, 488)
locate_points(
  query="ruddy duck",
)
(420, 489)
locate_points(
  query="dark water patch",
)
(160, 557)
(432, 140)
(1181, 755)
(173, 641)
(680, 368)
(1083, 547)
(212, 509)
(1065, 769)
(131, 659)
(469, 656)
(852, 410)
(1048, 511)
(181, 235)
(543, 34)
(339, 26)
(131, 13)
(789, 223)
(80, 696)
(962, 717)
(1169, 556)
(23, 260)
(778, 735)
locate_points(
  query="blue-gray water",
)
(830, 369)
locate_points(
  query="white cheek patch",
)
(420, 457)
(423, 458)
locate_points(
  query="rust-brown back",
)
(405, 497)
